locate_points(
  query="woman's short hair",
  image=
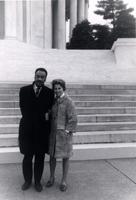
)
(60, 82)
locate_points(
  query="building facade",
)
(41, 22)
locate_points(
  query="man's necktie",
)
(37, 91)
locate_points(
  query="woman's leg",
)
(52, 167)
(52, 172)
(65, 166)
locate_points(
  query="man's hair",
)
(60, 82)
(41, 69)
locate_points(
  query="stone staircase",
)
(106, 121)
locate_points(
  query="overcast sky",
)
(98, 19)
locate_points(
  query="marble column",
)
(86, 8)
(24, 22)
(2, 19)
(47, 26)
(10, 19)
(28, 21)
(73, 15)
(59, 25)
(37, 23)
(55, 21)
(81, 11)
(21, 20)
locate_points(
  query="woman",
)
(63, 125)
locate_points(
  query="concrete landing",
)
(95, 180)
(19, 61)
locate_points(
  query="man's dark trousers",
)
(38, 167)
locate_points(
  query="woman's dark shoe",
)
(38, 187)
(50, 183)
(63, 187)
(26, 186)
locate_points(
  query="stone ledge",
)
(81, 152)
(124, 42)
(125, 52)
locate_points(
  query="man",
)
(35, 103)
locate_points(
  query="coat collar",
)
(62, 98)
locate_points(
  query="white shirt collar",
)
(35, 87)
(63, 94)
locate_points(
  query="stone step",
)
(9, 128)
(9, 111)
(107, 118)
(75, 91)
(80, 97)
(10, 119)
(10, 140)
(13, 85)
(123, 136)
(9, 104)
(81, 152)
(9, 91)
(105, 103)
(106, 126)
(82, 127)
(15, 104)
(9, 97)
(104, 151)
(86, 97)
(106, 115)
(14, 119)
(103, 97)
(71, 90)
(81, 110)
(105, 110)
(17, 85)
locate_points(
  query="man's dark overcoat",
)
(34, 129)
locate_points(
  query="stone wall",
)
(125, 52)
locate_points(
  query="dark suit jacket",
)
(34, 129)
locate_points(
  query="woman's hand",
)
(68, 132)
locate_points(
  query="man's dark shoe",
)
(38, 187)
(26, 186)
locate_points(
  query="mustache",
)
(38, 81)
